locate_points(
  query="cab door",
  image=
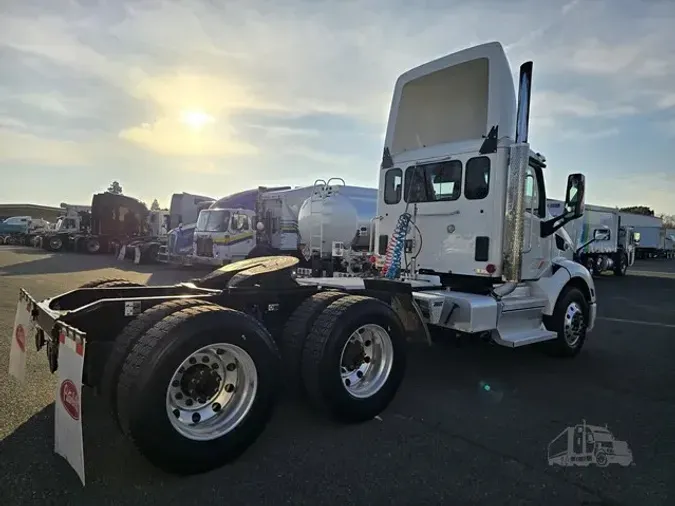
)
(242, 236)
(536, 249)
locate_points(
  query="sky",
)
(216, 96)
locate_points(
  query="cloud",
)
(298, 85)
(655, 191)
(28, 148)
(171, 137)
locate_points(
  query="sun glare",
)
(196, 120)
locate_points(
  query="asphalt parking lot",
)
(446, 439)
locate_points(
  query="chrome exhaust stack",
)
(519, 157)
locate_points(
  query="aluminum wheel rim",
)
(55, 242)
(212, 391)
(366, 361)
(574, 324)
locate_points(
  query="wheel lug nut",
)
(229, 388)
(215, 365)
(193, 360)
(368, 343)
(215, 407)
(179, 395)
(196, 417)
(359, 374)
(175, 383)
(205, 359)
(220, 352)
(348, 382)
(366, 360)
(231, 366)
(188, 402)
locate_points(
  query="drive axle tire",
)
(569, 320)
(621, 266)
(198, 388)
(354, 359)
(126, 340)
(110, 283)
(295, 332)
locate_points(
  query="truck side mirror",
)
(573, 207)
(601, 234)
(636, 236)
(574, 196)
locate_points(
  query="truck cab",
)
(463, 205)
(224, 235)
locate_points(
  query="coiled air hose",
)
(392, 261)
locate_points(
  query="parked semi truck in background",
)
(326, 225)
(21, 229)
(600, 240)
(112, 220)
(183, 214)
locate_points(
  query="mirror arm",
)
(549, 227)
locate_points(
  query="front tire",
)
(354, 359)
(168, 366)
(55, 243)
(569, 320)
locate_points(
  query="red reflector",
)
(491, 268)
(373, 259)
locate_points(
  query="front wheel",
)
(55, 243)
(198, 388)
(354, 358)
(93, 245)
(570, 321)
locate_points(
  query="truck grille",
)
(204, 247)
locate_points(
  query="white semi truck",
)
(600, 240)
(327, 225)
(191, 371)
(462, 212)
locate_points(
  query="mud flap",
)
(411, 317)
(68, 404)
(24, 327)
(122, 253)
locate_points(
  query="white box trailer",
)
(670, 243)
(650, 232)
(601, 241)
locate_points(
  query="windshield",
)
(213, 221)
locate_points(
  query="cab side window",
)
(393, 186)
(533, 196)
(477, 178)
(239, 222)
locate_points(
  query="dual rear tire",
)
(346, 354)
(193, 384)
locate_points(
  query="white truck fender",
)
(566, 271)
